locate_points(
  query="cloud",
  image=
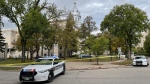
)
(95, 8)
(8, 24)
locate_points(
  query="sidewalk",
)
(90, 65)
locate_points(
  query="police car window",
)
(139, 57)
(56, 61)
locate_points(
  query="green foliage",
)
(97, 45)
(138, 50)
(87, 27)
(69, 38)
(21, 12)
(100, 45)
(2, 44)
(33, 23)
(127, 22)
(147, 44)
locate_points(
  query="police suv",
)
(43, 69)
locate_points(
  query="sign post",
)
(119, 51)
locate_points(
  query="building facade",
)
(142, 39)
(10, 36)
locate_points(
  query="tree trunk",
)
(130, 47)
(48, 52)
(42, 51)
(37, 51)
(110, 51)
(23, 42)
(65, 53)
(127, 49)
(97, 58)
(31, 55)
(27, 54)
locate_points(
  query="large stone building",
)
(142, 39)
(10, 36)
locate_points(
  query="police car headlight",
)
(42, 71)
(144, 61)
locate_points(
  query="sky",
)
(95, 8)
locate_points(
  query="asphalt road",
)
(125, 75)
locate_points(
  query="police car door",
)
(58, 67)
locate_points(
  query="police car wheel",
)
(50, 77)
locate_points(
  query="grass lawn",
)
(105, 59)
(13, 64)
(126, 62)
(10, 68)
(14, 61)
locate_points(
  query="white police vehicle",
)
(43, 69)
(140, 60)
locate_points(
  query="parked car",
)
(140, 60)
(84, 56)
(43, 69)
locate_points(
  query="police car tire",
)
(50, 77)
(64, 69)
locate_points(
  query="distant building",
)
(10, 36)
(142, 39)
(74, 11)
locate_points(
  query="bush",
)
(76, 56)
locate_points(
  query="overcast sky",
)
(95, 8)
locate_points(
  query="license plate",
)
(27, 78)
(138, 63)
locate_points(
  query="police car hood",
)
(38, 67)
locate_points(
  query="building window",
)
(60, 47)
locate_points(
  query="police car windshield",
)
(140, 57)
(43, 62)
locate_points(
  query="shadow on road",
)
(38, 82)
(140, 66)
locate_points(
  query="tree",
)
(1, 37)
(69, 38)
(97, 45)
(2, 44)
(127, 22)
(147, 44)
(87, 27)
(33, 23)
(48, 36)
(14, 10)
(100, 45)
